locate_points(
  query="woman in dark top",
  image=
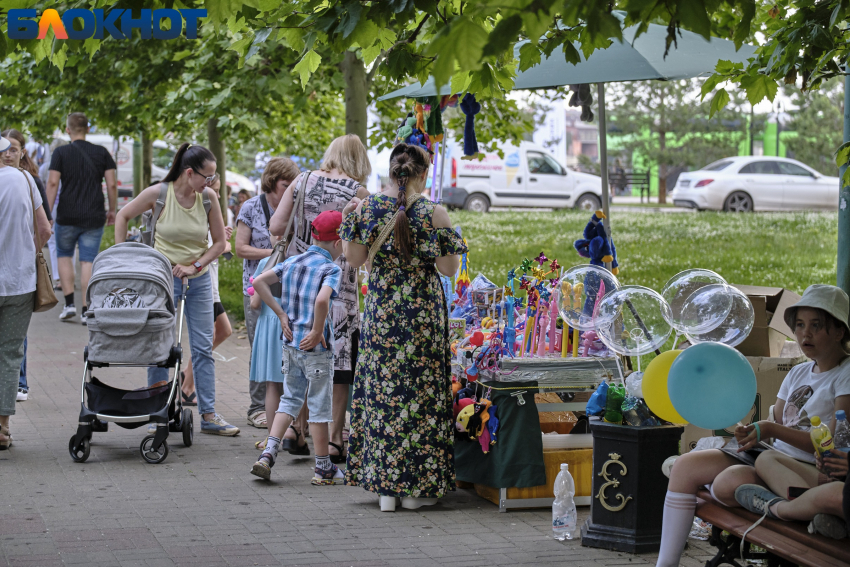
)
(16, 156)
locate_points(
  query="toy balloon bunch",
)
(710, 384)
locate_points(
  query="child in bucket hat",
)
(817, 388)
(309, 283)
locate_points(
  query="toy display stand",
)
(515, 474)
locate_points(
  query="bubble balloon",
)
(682, 286)
(712, 385)
(582, 287)
(654, 387)
(718, 313)
(633, 320)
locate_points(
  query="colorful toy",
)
(470, 108)
(596, 245)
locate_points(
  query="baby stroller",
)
(131, 324)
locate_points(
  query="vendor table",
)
(516, 461)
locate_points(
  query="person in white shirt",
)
(22, 206)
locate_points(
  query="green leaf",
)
(710, 84)
(307, 66)
(371, 53)
(720, 100)
(464, 42)
(460, 82)
(60, 57)
(693, 16)
(181, 55)
(842, 154)
(529, 56)
(759, 87)
(365, 33)
(725, 67)
(536, 23)
(571, 54)
(240, 46)
(503, 36)
(742, 30)
(219, 11)
(845, 178)
(292, 38)
(386, 38)
(351, 18)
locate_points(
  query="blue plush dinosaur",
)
(595, 245)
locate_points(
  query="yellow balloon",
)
(654, 387)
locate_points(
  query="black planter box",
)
(628, 486)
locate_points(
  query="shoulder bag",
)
(149, 218)
(281, 246)
(44, 299)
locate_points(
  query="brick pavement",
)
(202, 507)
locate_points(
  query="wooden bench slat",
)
(785, 539)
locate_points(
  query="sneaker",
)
(324, 477)
(263, 467)
(23, 395)
(217, 426)
(151, 428)
(757, 499)
(84, 318)
(829, 526)
(68, 312)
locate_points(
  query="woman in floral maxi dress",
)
(401, 442)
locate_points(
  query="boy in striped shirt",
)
(309, 283)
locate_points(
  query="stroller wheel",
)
(188, 427)
(151, 456)
(83, 454)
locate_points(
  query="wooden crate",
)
(581, 468)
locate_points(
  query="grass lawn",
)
(775, 249)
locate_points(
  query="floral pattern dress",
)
(401, 440)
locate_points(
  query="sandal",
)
(188, 400)
(291, 445)
(6, 443)
(340, 457)
(261, 444)
(258, 419)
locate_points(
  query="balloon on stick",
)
(681, 286)
(580, 290)
(712, 385)
(718, 313)
(633, 320)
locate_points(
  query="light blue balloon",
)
(712, 385)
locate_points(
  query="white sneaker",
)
(23, 395)
(410, 503)
(388, 503)
(68, 312)
(84, 318)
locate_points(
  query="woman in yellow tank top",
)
(181, 235)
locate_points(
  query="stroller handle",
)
(184, 289)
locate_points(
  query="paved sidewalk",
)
(202, 507)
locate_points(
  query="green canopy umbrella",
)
(633, 59)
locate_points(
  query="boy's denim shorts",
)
(307, 375)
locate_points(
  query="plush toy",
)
(596, 246)
(470, 108)
(420, 117)
(581, 97)
(406, 129)
(434, 123)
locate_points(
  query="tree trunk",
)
(662, 169)
(356, 96)
(147, 159)
(217, 148)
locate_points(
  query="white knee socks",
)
(678, 519)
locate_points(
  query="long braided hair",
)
(407, 164)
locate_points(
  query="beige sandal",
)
(258, 419)
(5, 443)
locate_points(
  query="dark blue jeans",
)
(22, 381)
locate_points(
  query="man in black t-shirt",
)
(80, 213)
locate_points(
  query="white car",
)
(756, 183)
(528, 176)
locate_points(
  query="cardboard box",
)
(769, 329)
(770, 372)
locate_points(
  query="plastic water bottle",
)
(842, 431)
(564, 515)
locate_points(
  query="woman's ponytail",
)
(188, 156)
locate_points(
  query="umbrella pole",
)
(442, 167)
(603, 163)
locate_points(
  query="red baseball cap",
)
(326, 226)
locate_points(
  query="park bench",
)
(631, 179)
(784, 543)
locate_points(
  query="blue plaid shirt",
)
(301, 278)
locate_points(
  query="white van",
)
(528, 176)
(122, 152)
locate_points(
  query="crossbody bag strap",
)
(388, 229)
(32, 202)
(266, 211)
